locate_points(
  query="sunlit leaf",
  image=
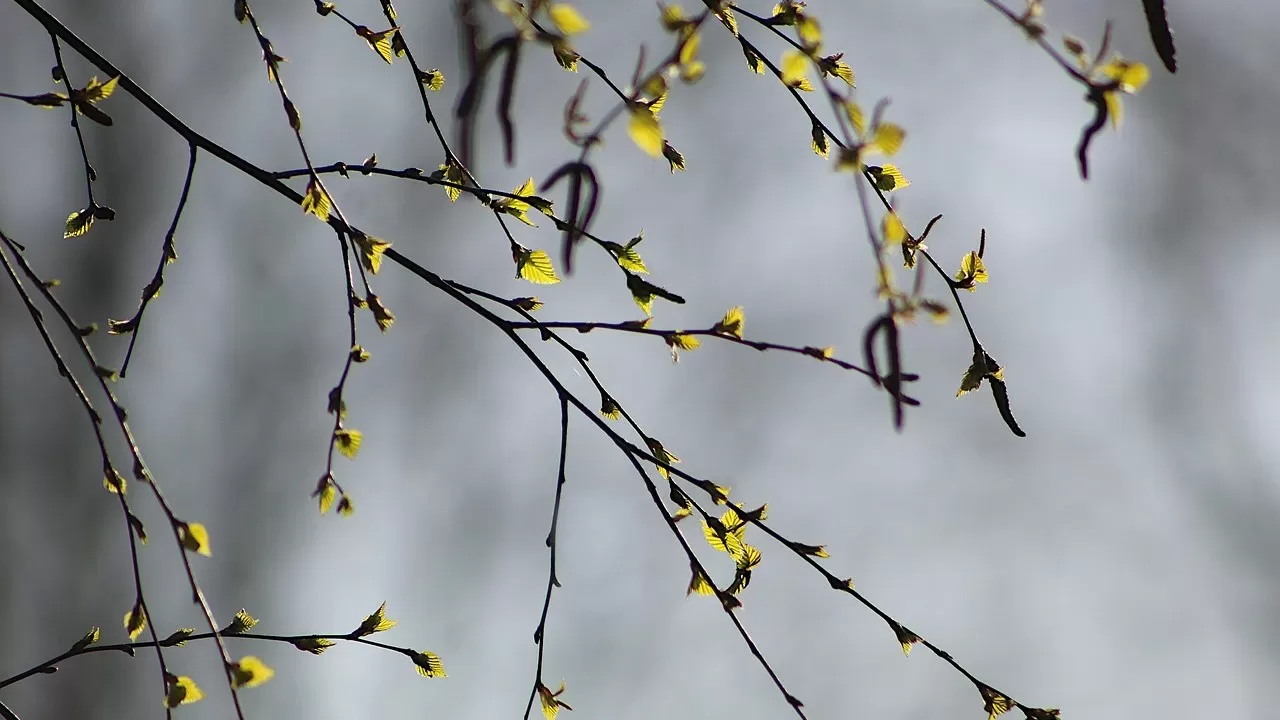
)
(178, 637)
(316, 201)
(550, 700)
(348, 441)
(313, 645)
(371, 250)
(379, 41)
(888, 177)
(905, 637)
(429, 664)
(250, 672)
(375, 622)
(135, 621)
(731, 323)
(90, 638)
(673, 156)
(535, 266)
(836, 66)
(115, 483)
(645, 130)
(452, 173)
(182, 691)
(700, 584)
(662, 454)
(381, 315)
(433, 79)
(994, 702)
(242, 623)
(795, 69)
(684, 341)
(972, 271)
(567, 19)
(195, 538)
(888, 138)
(78, 223)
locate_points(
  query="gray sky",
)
(1117, 561)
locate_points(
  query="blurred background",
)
(1118, 562)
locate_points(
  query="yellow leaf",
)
(1131, 75)
(135, 621)
(1115, 109)
(433, 79)
(809, 31)
(381, 314)
(795, 68)
(316, 201)
(567, 19)
(726, 16)
(662, 454)
(888, 177)
(888, 138)
(375, 622)
(516, 207)
(906, 638)
(565, 55)
(95, 91)
(672, 17)
(535, 266)
(371, 250)
(182, 691)
(730, 543)
(453, 174)
(673, 157)
(88, 639)
(731, 323)
(684, 341)
(972, 379)
(856, 117)
(700, 585)
(645, 130)
(327, 493)
(345, 506)
(78, 223)
(894, 231)
(609, 408)
(379, 41)
(348, 441)
(836, 66)
(313, 645)
(195, 538)
(995, 702)
(250, 672)
(818, 140)
(429, 664)
(972, 270)
(242, 623)
(115, 484)
(550, 700)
